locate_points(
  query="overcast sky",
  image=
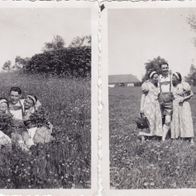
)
(137, 35)
(23, 31)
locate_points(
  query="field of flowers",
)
(149, 165)
(66, 161)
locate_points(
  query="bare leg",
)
(192, 141)
(143, 134)
(166, 127)
(165, 131)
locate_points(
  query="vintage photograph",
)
(45, 97)
(151, 87)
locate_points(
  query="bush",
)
(63, 62)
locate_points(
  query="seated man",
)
(16, 103)
(16, 109)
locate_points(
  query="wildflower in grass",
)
(152, 184)
(146, 183)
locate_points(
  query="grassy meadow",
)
(152, 164)
(66, 161)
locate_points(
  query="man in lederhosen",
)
(16, 103)
(16, 108)
(165, 97)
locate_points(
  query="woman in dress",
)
(150, 107)
(5, 123)
(182, 123)
(38, 126)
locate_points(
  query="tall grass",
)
(66, 161)
(152, 164)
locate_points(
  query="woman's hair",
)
(33, 98)
(4, 100)
(178, 76)
(151, 74)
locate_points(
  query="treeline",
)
(57, 59)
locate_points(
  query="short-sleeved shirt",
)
(17, 110)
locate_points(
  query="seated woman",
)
(5, 123)
(38, 126)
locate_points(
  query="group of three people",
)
(23, 122)
(164, 103)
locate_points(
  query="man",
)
(16, 108)
(166, 97)
(16, 104)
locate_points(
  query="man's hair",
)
(16, 89)
(164, 63)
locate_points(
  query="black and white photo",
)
(149, 51)
(46, 76)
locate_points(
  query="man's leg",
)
(166, 126)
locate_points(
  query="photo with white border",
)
(50, 60)
(135, 36)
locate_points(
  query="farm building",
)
(123, 80)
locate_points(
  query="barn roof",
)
(128, 78)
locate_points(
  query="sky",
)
(138, 35)
(25, 30)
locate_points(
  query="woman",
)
(182, 123)
(38, 126)
(5, 123)
(150, 107)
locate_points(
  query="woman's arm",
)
(145, 89)
(142, 103)
(186, 98)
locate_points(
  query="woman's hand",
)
(181, 101)
(187, 97)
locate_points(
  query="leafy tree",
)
(81, 41)
(191, 78)
(56, 59)
(20, 63)
(64, 62)
(7, 66)
(153, 65)
(56, 44)
(192, 22)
